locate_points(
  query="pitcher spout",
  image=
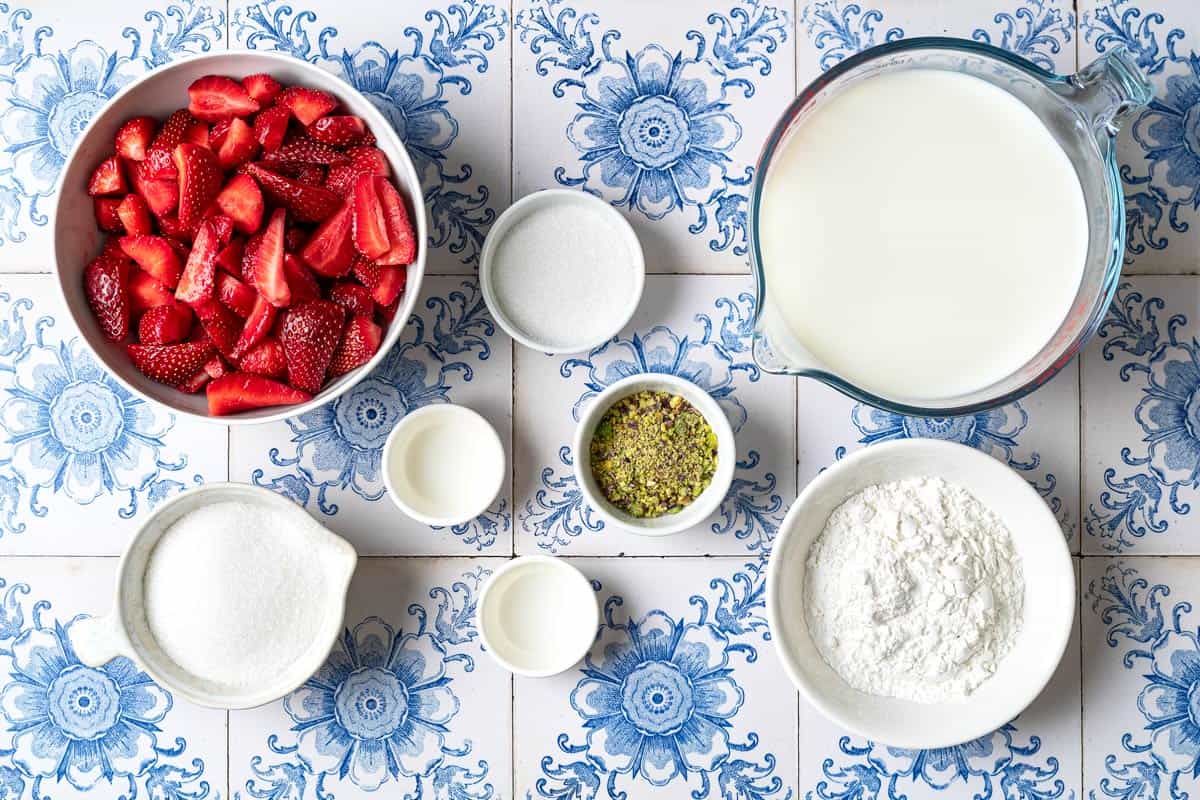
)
(1110, 89)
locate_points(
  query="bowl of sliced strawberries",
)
(239, 236)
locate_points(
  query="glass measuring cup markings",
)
(1081, 112)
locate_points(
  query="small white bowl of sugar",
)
(562, 271)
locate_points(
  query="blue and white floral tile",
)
(1141, 454)
(82, 460)
(59, 63)
(680, 697)
(693, 326)
(659, 108)
(1037, 755)
(828, 31)
(71, 731)
(407, 704)
(1158, 149)
(439, 72)
(1038, 436)
(330, 459)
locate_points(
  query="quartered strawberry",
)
(265, 358)
(307, 203)
(108, 178)
(385, 283)
(165, 324)
(369, 160)
(215, 97)
(270, 126)
(237, 296)
(134, 137)
(238, 146)
(310, 335)
(161, 195)
(173, 131)
(155, 255)
(354, 298)
(385, 314)
(222, 226)
(172, 364)
(294, 238)
(105, 210)
(199, 274)
(218, 132)
(195, 383)
(360, 341)
(262, 87)
(301, 282)
(242, 201)
(330, 250)
(230, 258)
(307, 105)
(269, 278)
(171, 227)
(197, 134)
(305, 151)
(250, 259)
(340, 131)
(135, 215)
(401, 238)
(221, 326)
(146, 292)
(108, 297)
(258, 324)
(199, 181)
(370, 227)
(159, 164)
(240, 391)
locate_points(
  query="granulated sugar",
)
(233, 593)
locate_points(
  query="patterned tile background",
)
(494, 101)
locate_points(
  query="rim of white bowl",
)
(402, 429)
(383, 131)
(517, 211)
(919, 740)
(515, 564)
(696, 511)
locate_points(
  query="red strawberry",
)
(197, 134)
(218, 132)
(108, 178)
(239, 391)
(339, 131)
(107, 216)
(237, 296)
(170, 227)
(359, 343)
(221, 326)
(112, 250)
(155, 255)
(354, 298)
(172, 364)
(385, 314)
(330, 250)
(305, 151)
(307, 105)
(134, 136)
(265, 358)
(262, 87)
(222, 226)
(165, 324)
(268, 262)
(294, 238)
(215, 97)
(250, 258)
(106, 293)
(403, 242)
(195, 383)
(199, 181)
(310, 334)
(270, 126)
(301, 282)
(159, 164)
(199, 274)
(370, 227)
(230, 257)
(135, 215)
(392, 281)
(173, 131)
(368, 160)
(242, 201)
(261, 318)
(307, 203)
(161, 196)
(238, 146)
(146, 292)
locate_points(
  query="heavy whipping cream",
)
(923, 234)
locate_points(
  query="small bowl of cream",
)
(561, 271)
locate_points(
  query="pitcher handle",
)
(1109, 89)
(98, 640)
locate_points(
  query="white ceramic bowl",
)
(77, 239)
(1049, 603)
(531, 204)
(126, 631)
(702, 506)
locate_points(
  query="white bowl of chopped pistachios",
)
(654, 454)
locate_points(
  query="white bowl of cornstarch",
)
(920, 593)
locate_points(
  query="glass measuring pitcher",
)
(1081, 112)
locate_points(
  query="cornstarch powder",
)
(914, 591)
(233, 593)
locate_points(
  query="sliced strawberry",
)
(340, 131)
(221, 326)
(107, 215)
(108, 178)
(360, 341)
(215, 97)
(265, 358)
(199, 274)
(258, 324)
(173, 131)
(159, 164)
(242, 201)
(197, 134)
(402, 239)
(307, 105)
(262, 87)
(170, 227)
(135, 215)
(108, 297)
(310, 335)
(330, 250)
(250, 259)
(134, 137)
(165, 324)
(155, 255)
(294, 238)
(161, 196)
(216, 367)
(195, 383)
(385, 314)
(230, 258)
(370, 227)
(269, 277)
(199, 181)
(369, 160)
(239, 391)
(305, 151)
(238, 146)
(222, 226)
(354, 298)
(218, 132)
(237, 296)
(301, 282)
(146, 292)
(172, 364)
(307, 203)
(392, 281)
(270, 126)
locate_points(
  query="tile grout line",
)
(1080, 523)
(796, 382)
(512, 404)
